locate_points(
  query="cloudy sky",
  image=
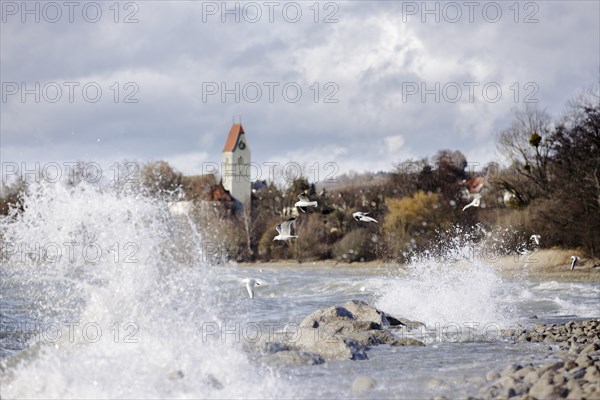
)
(361, 84)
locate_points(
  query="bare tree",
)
(527, 146)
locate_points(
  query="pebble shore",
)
(572, 372)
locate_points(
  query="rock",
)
(327, 345)
(578, 373)
(318, 317)
(364, 312)
(542, 389)
(584, 360)
(346, 327)
(592, 374)
(552, 367)
(508, 371)
(492, 376)
(363, 383)
(407, 342)
(288, 358)
(591, 391)
(523, 372)
(271, 347)
(559, 379)
(569, 365)
(506, 381)
(590, 348)
(550, 338)
(333, 333)
(575, 390)
(509, 392)
(532, 377)
(372, 337)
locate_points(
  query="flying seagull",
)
(285, 230)
(304, 202)
(362, 216)
(250, 283)
(474, 203)
(574, 260)
(536, 239)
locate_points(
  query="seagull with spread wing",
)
(304, 202)
(285, 230)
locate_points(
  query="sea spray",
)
(113, 312)
(454, 284)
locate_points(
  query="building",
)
(235, 167)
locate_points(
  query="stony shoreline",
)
(572, 372)
(571, 369)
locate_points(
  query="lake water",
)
(109, 310)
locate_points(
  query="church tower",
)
(235, 169)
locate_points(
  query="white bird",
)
(362, 216)
(536, 239)
(574, 260)
(475, 203)
(250, 284)
(304, 202)
(285, 230)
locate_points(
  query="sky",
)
(332, 86)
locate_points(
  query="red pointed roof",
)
(234, 133)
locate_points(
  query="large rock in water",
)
(362, 315)
(339, 333)
(327, 345)
(364, 312)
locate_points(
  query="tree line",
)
(548, 184)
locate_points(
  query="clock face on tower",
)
(242, 145)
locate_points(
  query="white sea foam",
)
(128, 327)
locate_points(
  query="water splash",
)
(113, 312)
(453, 284)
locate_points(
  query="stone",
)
(532, 377)
(590, 348)
(542, 389)
(407, 342)
(364, 312)
(292, 357)
(578, 373)
(327, 345)
(492, 376)
(323, 315)
(559, 379)
(509, 370)
(506, 381)
(575, 390)
(584, 360)
(509, 392)
(569, 365)
(592, 374)
(363, 383)
(523, 372)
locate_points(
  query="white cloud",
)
(369, 54)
